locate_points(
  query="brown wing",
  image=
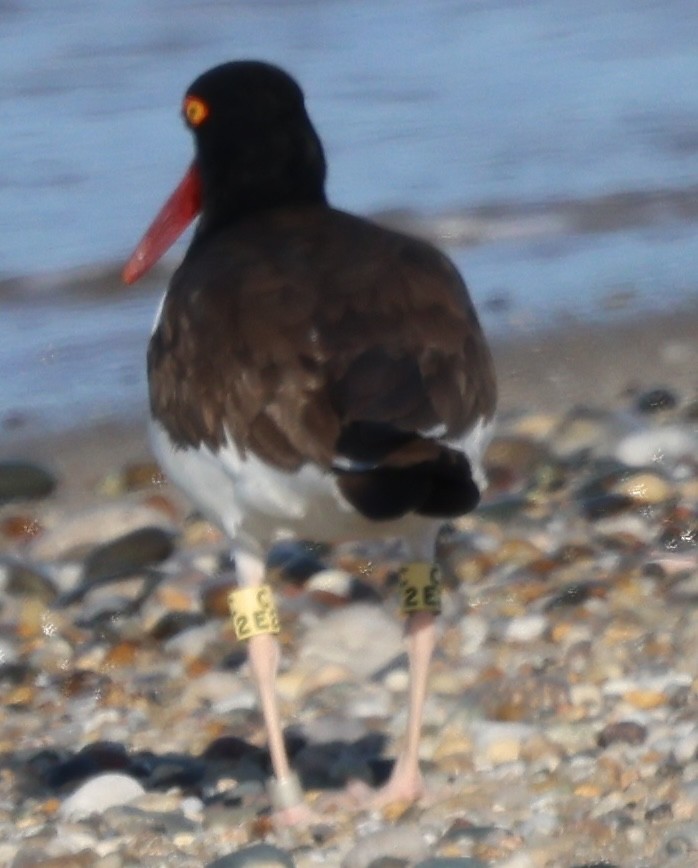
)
(305, 332)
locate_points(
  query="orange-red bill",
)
(174, 217)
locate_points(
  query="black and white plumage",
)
(311, 373)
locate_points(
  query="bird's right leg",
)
(255, 620)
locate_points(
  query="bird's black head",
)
(255, 145)
(255, 149)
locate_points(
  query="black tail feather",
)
(443, 488)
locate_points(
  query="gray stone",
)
(654, 400)
(25, 580)
(451, 862)
(21, 480)
(401, 842)
(128, 554)
(361, 637)
(82, 531)
(128, 821)
(256, 856)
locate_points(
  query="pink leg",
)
(406, 783)
(263, 655)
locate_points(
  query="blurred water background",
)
(550, 145)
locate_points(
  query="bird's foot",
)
(289, 807)
(401, 789)
(398, 794)
(300, 816)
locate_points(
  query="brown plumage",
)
(295, 324)
(311, 373)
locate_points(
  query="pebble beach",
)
(562, 723)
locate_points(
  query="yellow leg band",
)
(253, 611)
(420, 588)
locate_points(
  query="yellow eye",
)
(195, 110)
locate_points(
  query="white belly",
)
(256, 503)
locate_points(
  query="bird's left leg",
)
(420, 591)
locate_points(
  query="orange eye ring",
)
(195, 110)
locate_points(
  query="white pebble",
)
(526, 628)
(397, 680)
(403, 842)
(656, 445)
(474, 631)
(100, 793)
(337, 582)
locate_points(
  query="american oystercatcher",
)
(311, 373)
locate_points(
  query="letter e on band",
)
(253, 611)
(420, 588)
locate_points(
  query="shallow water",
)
(504, 129)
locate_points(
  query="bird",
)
(311, 374)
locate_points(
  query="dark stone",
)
(295, 560)
(574, 595)
(21, 480)
(389, 862)
(261, 855)
(24, 580)
(331, 764)
(93, 759)
(127, 555)
(503, 509)
(231, 749)
(513, 458)
(662, 811)
(234, 659)
(41, 764)
(214, 594)
(79, 682)
(600, 476)
(679, 845)
(142, 764)
(140, 475)
(327, 766)
(451, 862)
(363, 592)
(670, 767)
(602, 864)
(176, 770)
(626, 731)
(15, 672)
(460, 829)
(131, 821)
(381, 769)
(294, 741)
(35, 858)
(655, 400)
(606, 505)
(679, 536)
(172, 623)
(618, 820)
